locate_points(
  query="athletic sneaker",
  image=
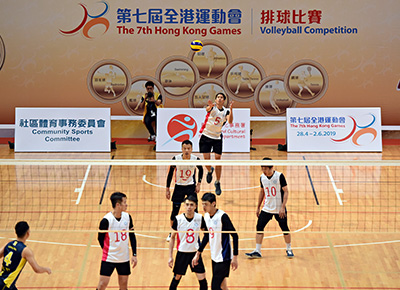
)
(254, 255)
(289, 254)
(218, 190)
(209, 175)
(168, 238)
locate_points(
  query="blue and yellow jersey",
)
(13, 263)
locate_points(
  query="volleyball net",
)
(324, 196)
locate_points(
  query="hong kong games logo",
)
(181, 127)
(86, 24)
(357, 131)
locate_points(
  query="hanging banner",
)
(177, 125)
(334, 130)
(62, 130)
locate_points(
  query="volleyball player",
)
(185, 181)
(115, 245)
(15, 254)
(188, 243)
(222, 254)
(211, 138)
(275, 192)
(150, 101)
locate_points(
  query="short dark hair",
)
(209, 196)
(21, 228)
(220, 94)
(116, 197)
(191, 198)
(187, 142)
(149, 84)
(269, 166)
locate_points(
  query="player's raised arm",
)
(210, 105)
(230, 116)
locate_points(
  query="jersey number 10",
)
(267, 191)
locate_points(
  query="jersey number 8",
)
(189, 236)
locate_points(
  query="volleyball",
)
(196, 45)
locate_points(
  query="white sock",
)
(258, 248)
(288, 246)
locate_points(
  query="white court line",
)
(242, 249)
(232, 189)
(280, 235)
(337, 191)
(80, 189)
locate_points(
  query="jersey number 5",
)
(217, 121)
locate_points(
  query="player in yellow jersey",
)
(16, 254)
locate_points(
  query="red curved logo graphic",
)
(355, 135)
(87, 25)
(181, 127)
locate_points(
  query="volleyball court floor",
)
(345, 221)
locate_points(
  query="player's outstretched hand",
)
(48, 270)
(234, 263)
(171, 262)
(134, 261)
(230, 105)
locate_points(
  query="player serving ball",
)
(211, 135)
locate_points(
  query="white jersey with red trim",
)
(273, 192)
(188, 242)
(116, 244)
(214, 121)
(184, 174)
(220, 243)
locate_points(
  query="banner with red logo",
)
(177, 125)
(334, 129)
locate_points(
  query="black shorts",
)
(107, 268)
(221, 269)
(183, 260)
(265, 217)
(182, 191)
(208, 145)
(3, 286)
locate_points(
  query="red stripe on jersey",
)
(178, 241)
(205, 121)
(106, 247)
